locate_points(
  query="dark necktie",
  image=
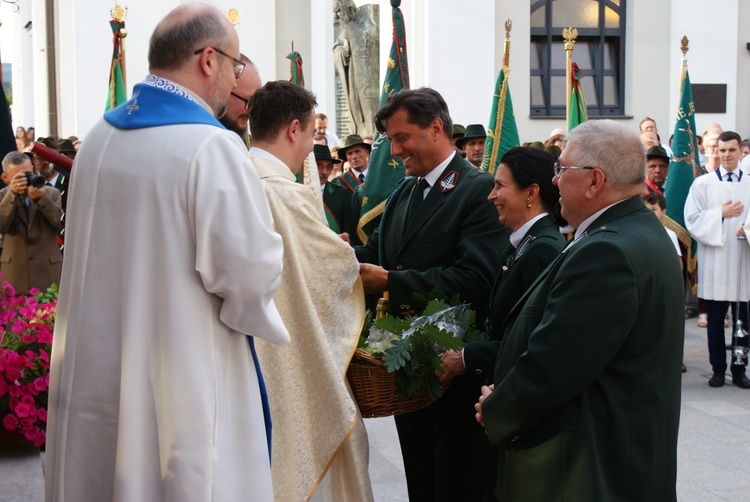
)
(417, 197)
(729, 177)
(361, 178)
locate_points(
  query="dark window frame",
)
(598, 39)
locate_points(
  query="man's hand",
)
(453, 365)
(345, 237)
(18, 183)
(741, 232)
(486, 391)
(731, 209)
(36, 193)
(374, 278)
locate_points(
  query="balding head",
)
(196, 47)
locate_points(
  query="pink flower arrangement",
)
(26, 326)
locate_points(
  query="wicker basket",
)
(374, 389)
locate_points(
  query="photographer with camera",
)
(30, 216)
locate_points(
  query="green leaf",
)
(433, 307)
(392, 324)
(397, 354)
(442, 338)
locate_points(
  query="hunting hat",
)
(472, 131)
(352, 140)
(322, 152)
(49, 142)
(657, 152)
(65, 146)
(458, 131)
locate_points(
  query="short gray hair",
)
(612, 147)
(14, 159)
(178, 35)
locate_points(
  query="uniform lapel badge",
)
(448, 182)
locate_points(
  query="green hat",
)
(48, 142)
(322, 152)
(352, 140)
(65, 146)
(472, 131)
(458, 131)
(537, 144)
(553, 150)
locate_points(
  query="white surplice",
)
(320, 448)
(171, 262)
(723, 259)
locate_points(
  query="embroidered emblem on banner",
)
(448, 182)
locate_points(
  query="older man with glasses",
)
(586, 399)
(171, 266)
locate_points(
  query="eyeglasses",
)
(558, 169)
(239, 66)
(246, 101)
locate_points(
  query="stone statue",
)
(357, 60)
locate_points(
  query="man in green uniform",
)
(438, 229)
(586, 400)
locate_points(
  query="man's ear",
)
(293, 130)
(4, 177)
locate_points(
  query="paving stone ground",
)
(713, 453)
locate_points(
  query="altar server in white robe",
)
(170, 267)
(320, 449)
(716, 210)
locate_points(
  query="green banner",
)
(577, 101)
(683, 168)
(116, 94)
(295, 69)
(502, 137)
(385, 170)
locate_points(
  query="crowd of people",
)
(216, 368)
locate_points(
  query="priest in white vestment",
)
(320, 449)
(171, 263)
(716, 210)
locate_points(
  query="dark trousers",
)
(717, 354)
(445, 450)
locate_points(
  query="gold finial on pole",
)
(234, 16)
(684, 46)
(506, 44)
(569, 35)
(119, 14)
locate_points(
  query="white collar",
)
(517, 236)
(588, 221)
(433, 176)
(265, 154)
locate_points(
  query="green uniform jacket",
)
(586, 404)
(454, 240)
(340, 210)
(521, 267)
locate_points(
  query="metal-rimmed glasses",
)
(246, 101)
(239, 66)
(558, 169)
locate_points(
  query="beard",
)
(233, 125)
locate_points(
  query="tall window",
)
(599, 52)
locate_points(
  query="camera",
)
(34, 180)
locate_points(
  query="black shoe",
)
(741, 381)
(718, 380)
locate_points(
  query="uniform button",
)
(515, 440)
(478, 372)
(399, 267)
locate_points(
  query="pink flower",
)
(19, 326)
(3, 387)
(43, 355)
(44, 336)
(39, 384)
(42, 414)
(34, 291)
(10, 422)
(28, 338)
(22, 410)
